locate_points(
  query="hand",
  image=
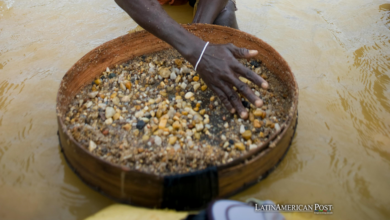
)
(220, 70)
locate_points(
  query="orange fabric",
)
(173, 2)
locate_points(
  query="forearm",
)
(150, 15)
(208, 11)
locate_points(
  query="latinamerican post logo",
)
(318, 209)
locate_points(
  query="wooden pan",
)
(184, 191)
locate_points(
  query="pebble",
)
(203, 88)
(196, 78)
(189, 95)
(108, 121)
(140, 124)
(157, 140)
(242, 129)
(92, 146)
(239, 146)
(176, 125)
(196, 86)
(226, 125)
(126, 127)
(259, 113)
(116, 116)
(223, 137)
(172, 140)
(125, 98)
(164, 73)
(199, 127)
(115, 100)
(183, 85)
(92, 94)
(257, 123)
(98, 81)
(252, 146)
(247, 135)
(128, 85)
(277, 127)
(110, 112)
(173, 76)
(163, 121)
(212, 98)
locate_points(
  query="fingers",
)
(244, 89)
(249, 74)
(234, 100)
(242, 52)
(225, 101)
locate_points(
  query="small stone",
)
(226, 125)
(223, 137)
(111, 75)
(239, 146)
(277, 127)
(98, 81)
(108, 121)
(196, 78)
(172, 140)
(261, 134)
(196, 86)
(257, 93)
(176, 125)
(258, 113)
(145, 137)
(92, 94)
(116, 116)
(251, 116)
(125, 98)
(269, 123)
(92, 146)
(123, 87)
(157, 140)
(164, 73)
(212, 98)
(113, 95)
(178, 78)
(126, 127)
(252, 146)
(115, 100)
(226, 144)
(199, 126)
(247, 135)
(188, 95)
(173, 76)
(140, 124)
(128, 85)
(242, 129)
(206, 120)
(178, 62)
(110, 112)
(163, 121)
(202, 112)
(203, 88)
(257, 123)
(183, 85)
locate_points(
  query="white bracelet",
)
(204, 48)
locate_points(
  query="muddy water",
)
(338, 50)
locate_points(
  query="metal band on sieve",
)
(201, 55)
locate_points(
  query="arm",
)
(218, 68)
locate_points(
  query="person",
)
(218, 66)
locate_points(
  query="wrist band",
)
(204, 48)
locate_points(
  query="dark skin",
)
(218, 67)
